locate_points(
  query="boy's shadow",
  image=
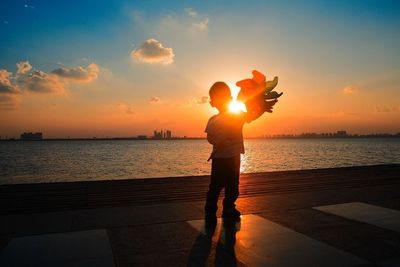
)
(225, 250)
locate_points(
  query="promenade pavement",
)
(328, 217)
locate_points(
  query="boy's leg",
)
(216, 185)
(232, 185)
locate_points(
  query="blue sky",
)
(52, 31)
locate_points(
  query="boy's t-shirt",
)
(227, 129)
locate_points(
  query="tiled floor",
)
(367, 213)
(260, 242)
(277, 230)
(72, 249)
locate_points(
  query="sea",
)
(87, 160)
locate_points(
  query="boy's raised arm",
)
(251, 116)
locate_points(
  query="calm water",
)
(53, 161)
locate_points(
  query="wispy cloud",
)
(350, 89)
(187, 23)
(189, 20)
(154, 100)
(191, 12)
(201, 25)
(28, 6)
(202, 100)
(386, 109)
(195, 20)
(8, 102)
(153, 51)
(126, 108)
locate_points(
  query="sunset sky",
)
(124, 68)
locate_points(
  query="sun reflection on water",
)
(57, 161)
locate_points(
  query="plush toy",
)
(257, 94)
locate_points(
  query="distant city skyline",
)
(167, 135)
(125, 68)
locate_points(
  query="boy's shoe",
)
(231, 214)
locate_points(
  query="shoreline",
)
(288, 137)
(178, 178)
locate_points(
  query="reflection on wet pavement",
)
(256, 241)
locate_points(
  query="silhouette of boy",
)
(224, 132)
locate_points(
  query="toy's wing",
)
(273, 95)
(270, 85)
(246, 83)
(247, 88)
(258, 77)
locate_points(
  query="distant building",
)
(167, 134)
(142, 137)
(31, 136)
(158, 135)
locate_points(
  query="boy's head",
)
(220, 96)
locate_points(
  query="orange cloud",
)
(387, 109)
(6, 83)
(42, 82)
(202, 100)
(39, 81)
(126, 108)
(8, 102)
(153, 51)
(23, 67)
(349, 89)
(78, 73)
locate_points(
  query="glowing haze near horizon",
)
(124, 68)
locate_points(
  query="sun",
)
(237, 107)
